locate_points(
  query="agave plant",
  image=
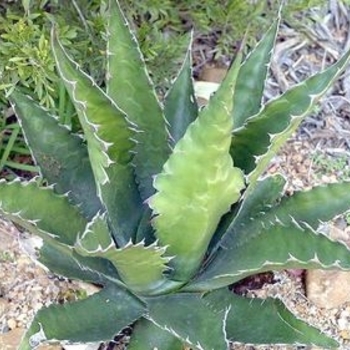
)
(164, 205)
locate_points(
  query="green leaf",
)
(320, 204)
(41, 211)
(141, 268)
(266, 195)
(187, 317)
(65, 262)
(253, 207)
(180, 106)
(61, 156)
(261, 137)
(145, 231)
(189, 202)
(274, 247)
(268, 321)
(112, 310)
(128, 84)
(147, 336)
(252, 76)
(108, 135)
(312, 207)
(258, 211)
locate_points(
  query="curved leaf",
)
(41, 211)
(274, 247)
(145, 231)
(147, 336)
(188, 318)
(253, 207)
(180, 106)
(112, 310)
(108, 135)
(252, 76)
(267, 193)
(141, 268)
(320, 204)
(189, 202)
(317, 205)
(128, 84)
(62, 157)
(261, 137)
(265, 321)
(65, 262)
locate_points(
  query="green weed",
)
(331, 165)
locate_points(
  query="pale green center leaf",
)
(198, 184)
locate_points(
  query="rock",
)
(329, 289)
(209, 80)
(11, 339)
(12, 323)
(345, 334)
(213, 74)
(49, 347)
(90, 346)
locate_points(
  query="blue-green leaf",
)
(65, 262)
(180, 106)
(188, 318)
(274, 247)
(252, 76)
(62, 157)
(108, 134)
(257, 321)
(129, 86)
(253, 206)
(254, 144)
(112, 309)
(41, 211)
(147, 336)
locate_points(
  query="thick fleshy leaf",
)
(108, 135)
(253, 207)
(180, 106)
(257, 321)
(128, 84)
(145, 230)
(320, 204)
(141, 268)
(65, 262)
(41, 211)
(275, 247)
(61, 156)
(261, 137)
(112, 310)
(312, 207)
(187, 317)
(147, 336)
(190, 202)
(258, 212)
(251, 78)
(267, 193)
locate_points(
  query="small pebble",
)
(11, 323)
(345, 334)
